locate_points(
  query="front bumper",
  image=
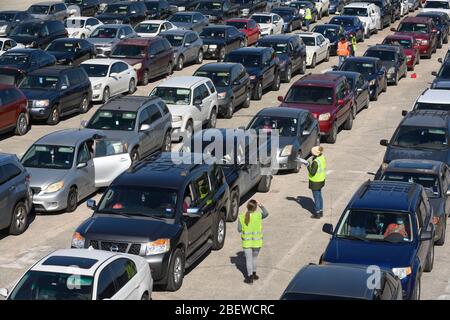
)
(265, 32)
(55, 201)
(97, 95)
(373, 90)
(103, 51)
(178, 131)
(424, 49)
(39, 113)
(210, 53)
(223, 104)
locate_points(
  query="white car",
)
(269, 23)
(317, 48)
(7, 44)
(109, 77)
(404, 7)
(151, 28)
(81, 27)
(192, 101)
(437, 5)
(434, 99)
(323, 8)
(85, 274)
(368, 13)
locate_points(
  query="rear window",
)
(62, 261)
(310, 95)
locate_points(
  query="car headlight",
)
(137, 66)
(3, 28)
(287, 151)
(40, 103)
(402, 273)
(78, 241)
(54, 187)
(222, 95)
(391, 70)
(97, 86)
(372, 82)
(157, 247)
(213, 46)
(325, 116)
(384, 166)
(252, 77)
(205, 47)
(176, 118)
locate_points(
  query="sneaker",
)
(249, 280)
(255, 277)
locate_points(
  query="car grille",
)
(131, 248)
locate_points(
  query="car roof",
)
(320, 79)
(218, 66)
(431, 13)
(102, 61)
(427, 118)
(435, 96)
(183, 82)
(177, 32)
(111, 25)
(344, 17)
(415, 165)
(128, 103)
(400, 36)
(416, 20)
(238, 20)
(67, 137)
(282, 112)
(153, 21)
(329, 25)
(52, 70)
(384, 47)
(278, 37)
(7, 156)
(268, 14)
(21, 50)
(186, 13)
(359, 4)
(67, 40)
(363, 59)
(250, 50)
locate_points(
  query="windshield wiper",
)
(354, 237)
(124, 214)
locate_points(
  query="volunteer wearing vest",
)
(317, 176)
(353, 46)
(250, 227)
(308, 18)
(343, 50)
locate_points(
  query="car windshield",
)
(178, 96)
(128, 51)
(40, 285)
(342, 22)
(247, 60)
(174, 40)
(367, 225)
(262, 19)
(13, 59)
(95, 70)
(287, 127)
(113, 120)
(39, 82)
(278, 47)
(183, 18)
(384, 55)
(360, 12)
(145, 201)
(365, 68)
(6, 16)
(49, 157)
(212, 33)
(444, 73)
(147, 28)
(107, 33)
(74, 23)
(237, 24)
(437, 5)
(152, 6)
(309, 41)
(36, 9)
(27, 30)
(310, 95)
(215, 6)
(116, 9)
(327, 31)
(405, 43)
(62, 46)
(426, 180)
(421, 137)
(432, 106)
(219, 78)
(413, 27)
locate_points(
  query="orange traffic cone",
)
(414, 76)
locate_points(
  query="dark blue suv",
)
(389, 225)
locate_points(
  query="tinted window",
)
(211, 86)
(154, 113)
(121, 67)
(123, 270)
(204, 91)
(166, 44)
(164, 108)
(9, 171)
(74, 77)
(144, 117)
(55, 27)
(105, 289)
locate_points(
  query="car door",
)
(166, 55)
(75, 87)
(124, 76)
(7, 108)
(5, 198)
(361, 95)
(268, 68)
(115, 83)
(445, 189)
(69, 96)
(207, 101)
(197, 111)
(126, 281)
(296, 54)
(104, 287)
(85, 170)
(254, 31)
(204, 190)
(111, 158)
(91, 24)
(190, 50)
(307, 141)
(342, 112)
(278, 24)
(424, 225)
(145, 131)
(239, 83)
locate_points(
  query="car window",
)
(197, 94)
(163, 107)
(55, 26)
(198, 17)
(204, 91)
(121, 67)
(123, 270)
(91, 22)
(159, 47)
(8, 96)
(74, 77)
(105, 286)
(84, 155)
(115, 68)
(144, 117)
(154, 113)
(64, 80)
(203, 189)
(307, 122)
(340, 91)
(8, 172)
(421, 212)
(210, 86)
(216, 177)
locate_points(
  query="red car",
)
(424, 32)
(13, 110)
(249, 27)
(328, 97)
(410, 47)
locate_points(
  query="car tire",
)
(396, 80)
(145, 78)
(441, 240)
(264, 184)
(132, 86)
(84, 105)
(257, 91)
(221, 54)
(327, 58)
(234, 206)
(303, 68)
(19, 219)
(106, 95)
(169, 69)
(176, 271)
(248, 96)
(72, 200)
(289, 29)
(288, 74)
(219, 231)
(167, 142)
(82, 36)
(22, 124)
(145, 297)
(189, 130)
(417, 289)
(134, 155)
(298, 164)
(385, 85)
(242, 44)
(180, 62)
(429, 262)
(53, 118)
(212, 118)
(332, 136)
(348, 124)
(229, 111)
(313, 62)
(276, 82)
(199, 58)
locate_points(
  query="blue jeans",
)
(318, 201)
(341, 60)
(307, 24)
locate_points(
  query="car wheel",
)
(332, 136)
(327, 58)
(145, 78)
(298, 163)
(176, 271)
(145, 296)
(429, 262)
(84, 106)
(82, 36)
(234, 206)
(375, 96)
(132, 86)
(303, 68)
(242, 44)
(228, 114)
(221, 54)
(276, 82)
(53, 118)
(288, 74)
(396, 79)
(446, 39)
(245, 42)
(167, 143)
(264, 184)
(212, 118)
(348, 125)
(19, 221)
(439, 45)
(385, 85)
(313, 62)
(289, 29)
(441, 240)
(246, 103)
(72, 200)
(134, 155)
(189, 130)
(169, 69)
(219, 232)
(257, 91)
(199, 58)
(180, 63)
(417, 290)
(106, 95)
(21, 124)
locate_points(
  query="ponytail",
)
(251, 207)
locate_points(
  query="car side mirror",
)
(198, 102)
(187, 45)
(434, 73)
(81, 165)
(4, 292)
(404, 112)
(448, 192)
(195, 21)
(426, 236)
(359, 89)
(193, 213)
(334, 68)
(236, 82)
(328, 228)
(144, 127)
(280, 98)
(393, 29)
(384, 142)
(91, 204)
(64, 87)
(440, 60)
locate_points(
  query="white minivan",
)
(368, 13)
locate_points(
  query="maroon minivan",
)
(13, 110)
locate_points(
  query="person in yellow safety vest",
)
(250, 227)
(343, 50)
(308, 18)
(317, 175)
(203, 190)
(353, 42)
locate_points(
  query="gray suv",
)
(15, 194)
(143, 123)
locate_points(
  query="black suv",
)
(290, 50)
(432, 175)
(159, 9)
(86, 8)
(262, 65)
(169, 212)
(38, 34)
(123, 13)
(11, 19)
(220, 40)
(393, 59)
(56, 91)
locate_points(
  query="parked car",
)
(351, 25)
(49, 10)
(432, 99)
(404, 7)
(298, 132)
(187, 47)
(336, 6)
(123, 12)
(366, 234)
(372, 70)
(81, 27)
(66, 166)
(436, 6)
(84, 8)
(302, 5)
(249, 27)
(194, 21)
(13, 110)
(232, 83)
(17, 63)
(291, 18)
(414, 5)
(182, 5)
(85, 275)
(341, 282)
(442, 77)
(248, 7)
(393, 59)
(11, 19)
(109, 77)
(269, 23)
(216, 10)
(71, 51)
(432, 175)
(38, 34)
(262, 65)
(291, 52)
(152, 28)
(150, 57)
(8, 44)
(328, 97)
(397, 9)
(323, 7)
(142, 123)
(219, 40)
(106, 37)
(387, 9)
(167, 212)
(317, 48)
(15, 193)
(192, 101)
(441, 21)
(332, 32)
(360, 87)
(159, 9)
(410, 48)
(56, 91)
(368, 13)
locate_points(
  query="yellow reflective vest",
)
(252, 235)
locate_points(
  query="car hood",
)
(410, 52)
(100, 41)
(42, 177)
(33, 94)
(284, 141)
(183, 25)
(114, 227)
(393, 153)
(388, 64)
(131, 61)
(4, 23)
(213, 41)
(110, 17)
(415, 35)
(61, 55)
(178, 110)
(265, 25)
(435, 10)
(23, 39)
(383, 254)
(147, 35)
(438, 205)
